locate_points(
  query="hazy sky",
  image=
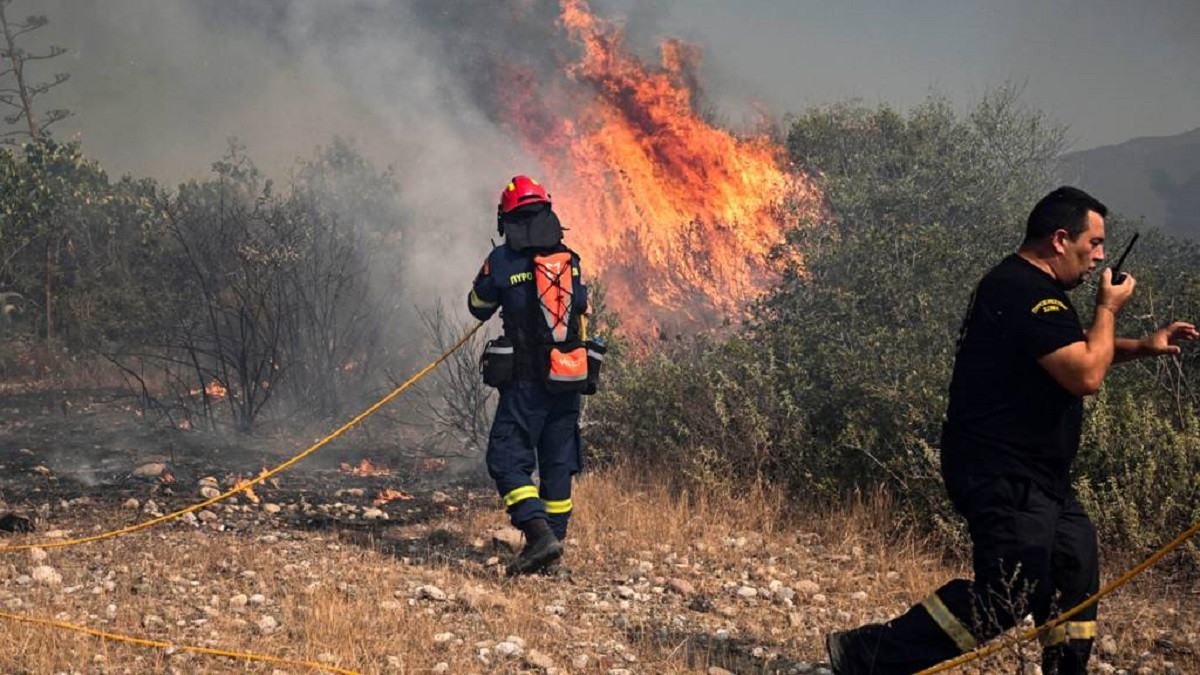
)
(159, 84)
(1111, 69)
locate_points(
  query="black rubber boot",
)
(1067, 659)
(836, 644)
(541, 549)
(849, 653)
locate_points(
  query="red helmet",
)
(522, 190)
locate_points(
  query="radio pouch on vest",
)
(565, 356)
(498, 362)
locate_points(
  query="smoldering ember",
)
(782, 380)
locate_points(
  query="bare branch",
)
(43, 87)
(31, 23)
(54, 51)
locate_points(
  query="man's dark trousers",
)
(535, 429)
(1032, 554)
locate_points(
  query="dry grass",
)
(355, 603)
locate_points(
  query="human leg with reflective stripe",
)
(559, 459)
(1075, 567)
(511, 460)
(1012, 527)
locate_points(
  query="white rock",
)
(374, 514)
(46, 575)
(540, 660)
(209, 492)
(271, 509)
(858, 596)
(238, 601)
(443, 638)
(625, 592)
(37, 554)
(267, 624)
(132, 503)
(508, 649)
(150, 469)
(430, 592)
(747, 592)
(807, 588)
(509, 538)
(681, 586)
(441, 667)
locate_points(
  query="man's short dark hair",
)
(1063, 209)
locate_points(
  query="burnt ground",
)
(96, 450)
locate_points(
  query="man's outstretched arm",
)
(1162, 342)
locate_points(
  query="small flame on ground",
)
(213, 389)
(364, 468)
(390, 495)
(248, 492)
(431, 463)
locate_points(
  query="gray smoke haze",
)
(159, 85)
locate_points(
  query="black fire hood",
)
(531, 226)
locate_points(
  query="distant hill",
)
(1156, 178)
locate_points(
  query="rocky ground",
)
(323, 568)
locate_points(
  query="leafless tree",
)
(457, 404)
(19, 95)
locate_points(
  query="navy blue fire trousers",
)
(535, 430)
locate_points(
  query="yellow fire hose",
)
(142, 642)
(225, 495)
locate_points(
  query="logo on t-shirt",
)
(1049, 305)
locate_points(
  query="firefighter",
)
(539, 367)
(1022, 367)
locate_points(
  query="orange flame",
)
(213, 389)
(678, 217)
(390, 495)
(248, 492)
(364, 468)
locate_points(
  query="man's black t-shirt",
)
(1007, 415)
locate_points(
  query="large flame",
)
(678, 217)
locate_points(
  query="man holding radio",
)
(1023, 365)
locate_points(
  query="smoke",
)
(158, 88)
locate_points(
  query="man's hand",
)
(1114, 297)
(1166, 340)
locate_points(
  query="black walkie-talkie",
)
(1118, 277)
